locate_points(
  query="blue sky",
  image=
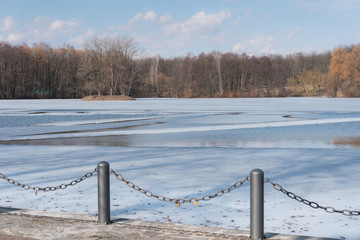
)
(176, 27)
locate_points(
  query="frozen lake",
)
(185, 148)
(264, 123)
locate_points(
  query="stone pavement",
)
(17, 224)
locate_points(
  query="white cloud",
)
(199, 24)
(57, 25)
(150, 16)
(7, 23)
(260, 45)
(136, 18)
(42, 29)
(165, 18)
(289, 34)
(81, 39)
(198, 30)
(64, 25)
(202, 22)
(40, 21)
(16, 37)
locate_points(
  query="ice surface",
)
(185, 148)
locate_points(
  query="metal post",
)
(257, 204)
(103, 170)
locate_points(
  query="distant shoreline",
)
(108, 98)
(128, 98)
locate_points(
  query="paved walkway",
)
(16, 224)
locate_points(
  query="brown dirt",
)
(8, 237)
(108, 98)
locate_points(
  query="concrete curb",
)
(22, 224)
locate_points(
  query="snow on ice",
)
(183, 148)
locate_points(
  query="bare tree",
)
(217, 56)
(153, 75)
(128, 50)
(111, 63)
(93, 63)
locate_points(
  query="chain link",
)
(179, 201)
(47, 189)
(312, 204)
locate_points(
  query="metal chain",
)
(47, 189)
(179, 201)
(312, 204)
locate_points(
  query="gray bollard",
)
(257, 205)
(103, 170)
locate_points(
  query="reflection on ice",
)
(350, 141)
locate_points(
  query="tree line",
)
(118, 66)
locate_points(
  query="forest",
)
(120, 67)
